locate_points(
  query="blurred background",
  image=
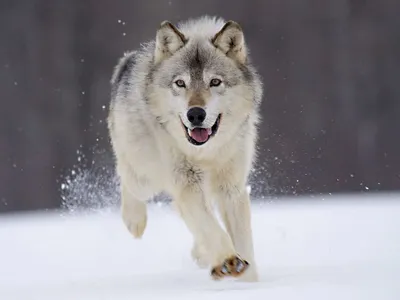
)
(330, 112)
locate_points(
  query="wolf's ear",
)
(230, 40)
(168, 40)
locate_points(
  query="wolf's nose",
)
(196, 115)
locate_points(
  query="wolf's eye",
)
(180, 83)
(215, 82)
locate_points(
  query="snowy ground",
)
(336, 249)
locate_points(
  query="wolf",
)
(183, 120)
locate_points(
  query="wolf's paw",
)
(136, 223)
(233, 266)
(199, 255)
(250, 275)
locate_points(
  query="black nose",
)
(196, 115)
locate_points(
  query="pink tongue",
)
(200, 134)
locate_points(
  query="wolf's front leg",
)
(206, 230)
(236, 215)
(234, 207)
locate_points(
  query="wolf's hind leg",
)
(200, 255)
(134, 212)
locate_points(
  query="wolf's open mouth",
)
(199, 136)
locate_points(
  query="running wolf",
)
(183, 120)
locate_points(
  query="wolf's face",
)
(204, 83)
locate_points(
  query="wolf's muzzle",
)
(200, 135)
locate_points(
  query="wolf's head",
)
(203, 81)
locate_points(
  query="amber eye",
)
(215, 82)
(180, 83)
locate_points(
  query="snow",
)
(338, 248)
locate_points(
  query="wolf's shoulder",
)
(124, 67)
(133, 61)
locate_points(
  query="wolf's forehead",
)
(196, 63)
(197, 60)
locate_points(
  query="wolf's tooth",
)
(209, 131)
(189, 132)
